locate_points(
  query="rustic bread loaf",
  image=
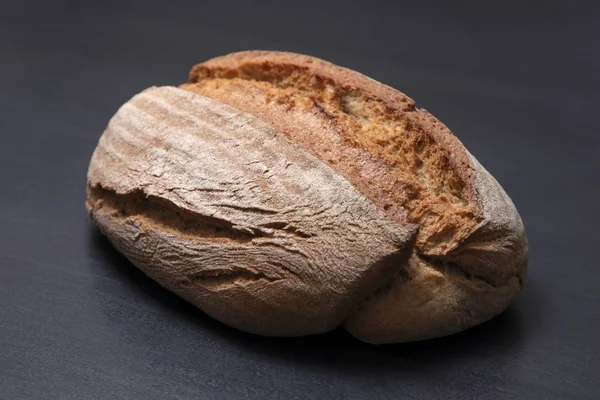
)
(284, 195)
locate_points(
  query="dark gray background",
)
(516, 81)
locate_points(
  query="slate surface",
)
(516, 81)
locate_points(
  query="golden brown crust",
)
(281, 214)
(345, 77)
(310, 100)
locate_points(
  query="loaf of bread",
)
(284, 195)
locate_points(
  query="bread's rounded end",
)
(426, 303)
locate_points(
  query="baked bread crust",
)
(442, 247)
(251, 81)
(219, 208)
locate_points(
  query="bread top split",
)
(466, 243)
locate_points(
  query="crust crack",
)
(219, 279)
(163, 215)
